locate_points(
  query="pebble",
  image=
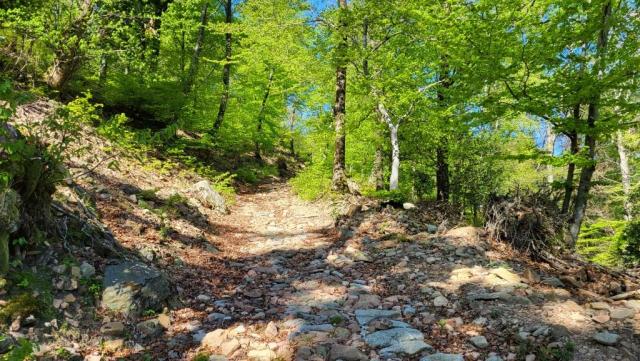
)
(606, 338)
(479, 341)
(440, 301)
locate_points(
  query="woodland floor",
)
(283, 281)
(277, 278)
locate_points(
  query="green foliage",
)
(599, 241)
(313, 182)
(23, 351)
(202, 356)
(628, 245)
(611, 243)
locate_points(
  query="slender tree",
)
(226, 69)
(339, 179)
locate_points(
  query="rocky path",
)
(311, 292)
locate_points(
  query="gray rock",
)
(408, 310)
(217, 317)
(408, 206)
(606, 338)
(365, 316)
(397, 341)
(440, 301)
(479, 341)
(150, 328)
(406, 348)
(208, 197)
(493, 357)
(346, 353)
(113, 329)
(553, 281)
(622, 313)
(432, 228)
(131, 287)
(443, 357)
(87, 270)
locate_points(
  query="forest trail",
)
(273, 219)
(311, 291)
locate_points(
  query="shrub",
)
(628, 244)
(313, 182)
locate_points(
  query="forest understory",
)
(320, 180)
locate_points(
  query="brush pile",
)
(530, 222)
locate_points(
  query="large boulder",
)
(132, 287)
(208, 197)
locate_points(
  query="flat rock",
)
(367, 301)
(443, 357)
(606, 338)
(230, 346)
(393, 337)
(406, 348)
(150, 328)
(261, 355)
(365, 316)
(346, 353)
(214, 339)
(506, 275)
(131, 287)
(113, 329)
(622, 313)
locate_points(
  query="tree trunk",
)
(442, 173)
(226, 70)
(339, 180)
(571, 168)
(197, 49)
(442, 163)
(395, 146)
(67, 58)
(549, 147)
(584, 185)
(263, 106)
(625, 174)
(395, 157)
(103, 71)
(377, 174)
(586, 174)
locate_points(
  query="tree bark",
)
(395, 146)
(339, 179)
(586, 174)
(625, 175)
(443, 184)
(377, 174)
(584, 185)
(442, 174)
(197, 49)
(67, 59)
(226, 70)
(549, 144)
(571, 168)
(263, 106)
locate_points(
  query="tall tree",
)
(339, 179)
(226, 69)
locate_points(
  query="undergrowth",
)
(611, 243)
